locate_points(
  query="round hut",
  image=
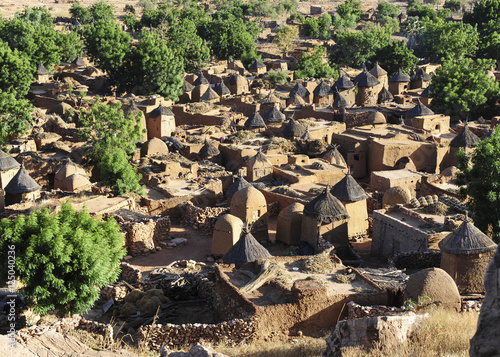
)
(246, 250)
(322, 94)
(368, 88)
(22, 187)
(347, 89)
(418, 110)
(8, 168)
(398, 84)
(324, 216)
(76, 183)
(289, 225)
(227, 232)
(274, 115)
(249, 204)
(465, 254)
(301, 91)
(154, 146)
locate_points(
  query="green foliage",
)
(129, 9)
(444, 39)
(70, 45)
(296, 17)
(317, 28)
(38, 16)
(390, 24)
(443, 13)
(484, 11)
(462, 86)
(341, 24)
(350, 7)
(423, 301)
(80, 13)
(453, 5)
(421, 11)
(394, 56)
(387, 9)
(113, 137)
(162, 15)
(15, 70)
(62, 258)
(102, 11)
(311, 65)
(107, 45)
(480, 175)
(131, 22)
(278, 76)
(15, 116)
(285, 38)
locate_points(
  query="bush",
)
(278, 76)
(62, 259)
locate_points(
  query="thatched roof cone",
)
(7, 162)
(419, 110)
(466, 138)
(200, 80)
(339, 101)
(238, 185)
(222, 89)
(333, 156)
(255, 121)
(274, 115)
(343, 83)
(326, 208)
(259, 160)
(209, 94)
(187, 87)
(322, 90)
(467, 239)
(377, 71)
(400, 77)
(22, 183)
(160, 110)
(348, 189)
(41, 70)
(366, 79)
(247, 249)
(294, 129)
(300, 90)
(385, 96)
(208, 150)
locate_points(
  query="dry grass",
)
(318, 264)
(443, 334)
(304, 347)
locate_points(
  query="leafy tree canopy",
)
(461, 86)
(15, 70)
(15, 116)
(387, 9)
(62, 258)
(38, 16)
(453, 5)
(285, 38)
(350, 7)
(480, 175)
(484, 11)
(317, 28)
(311, 65)
(394, 56)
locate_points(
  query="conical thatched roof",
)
(209, 95)
(426, 93)
(238, 185)
(274, 115)
(343, 83)
(294, 129)
(200, 80)
(208, 150)
(307, 135)
(297, 99)
(326, 208)
(41, 70)
(187, 87)
(422, 75)
(300, 90)
(419, 110)
(160, 110)
(174, 143)
(79, 62)
(131, 109)
(255, 121)
(377, 71)
(7, 162)
(339, 101)
(466, 138)
(400, 77)
(257, 64)
(21, 183)
(322, 90)
(222, 89)
(385, 96)
(259, 160)
(236, 78)
(348, 189)
(366, 79)
(333, 156)
(467, 239)
(246, 250)
(270, 99)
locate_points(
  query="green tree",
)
(350, 7)
(311, 65)
(113, 138)
(152, 67)
(129, 9)
(70, 45)
(461, 86)
(15, 70)
(421, 11)
(394, 56)
(36, 15)
(63, 258)
(80, 13)
(15, 116)
(102, 10)
(480, 176)
(484, 11)
(387, 9)
(453, 5)
(285, 38)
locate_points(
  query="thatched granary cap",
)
(343, 83)
(377, 71)
(154, 146)
(426, 93)
(467, 239)
(385, 96)
(21, 183)
(257, 64)
(79, 62)
(222, 89)
(366, 79)
(132, 109)
(173, 143)
(259, 160)
(300, 90)
(246, 250)
(209, 94)
(67, 169)
(297, 99)
(209, 149)
(255, 121)
(237, 79)
(422, 75)
(419, 110)
(466, 138)
(238, 185)
(322, 90)
(160, 110)
(333, 156)
(41, 70)
(340, 101)
(294, 129)
(270, 99)
(200, 80)
(274, 115)
(7, 162)
(187, 87)
(400, 77)
(326, 208)
(348, 189)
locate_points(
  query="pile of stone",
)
(130, 274)
(74, 322)
(356, 311)
(201, 218)
(471, 305)
(117, 292)
(196, 351)
(273, 208)
(416, 260)
(170, 335)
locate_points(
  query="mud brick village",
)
(244, 204)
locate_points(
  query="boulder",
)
(486, 341)
(196, 351)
